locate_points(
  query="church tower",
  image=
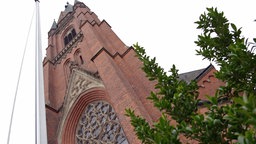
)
(90, 78)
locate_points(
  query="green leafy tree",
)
(220, 42)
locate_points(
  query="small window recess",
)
(81, 59)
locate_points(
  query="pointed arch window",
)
(69, 36)
(99, 124)
(78, 57)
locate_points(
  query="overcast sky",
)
(165, 28)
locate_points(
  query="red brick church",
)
(91, 77)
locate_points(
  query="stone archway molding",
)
(83, 88)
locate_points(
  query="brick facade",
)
(85, 62)
(94, 65)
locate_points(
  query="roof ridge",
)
(195, 74)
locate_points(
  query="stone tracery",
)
(99, 124)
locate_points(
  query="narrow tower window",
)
(73, 32)
(66, 40)
(69, 36)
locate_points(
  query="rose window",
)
(99, 125)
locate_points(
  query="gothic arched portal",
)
(92, 120)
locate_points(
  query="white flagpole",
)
(40, 119)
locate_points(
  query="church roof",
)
(195, 75)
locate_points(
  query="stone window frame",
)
(99, 124)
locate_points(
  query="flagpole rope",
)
(18, 81)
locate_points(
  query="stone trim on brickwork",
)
(67, 129)
(80, 82)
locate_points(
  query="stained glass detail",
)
(99, 125)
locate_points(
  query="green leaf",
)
(233, 27)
